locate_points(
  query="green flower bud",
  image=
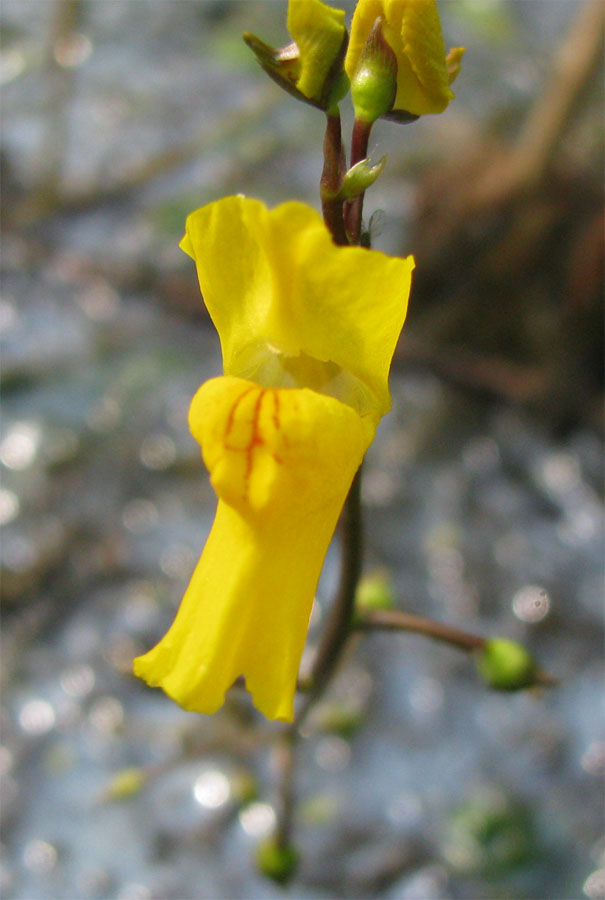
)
(276, 862)
(374, 84)
(375, 591)
(423, 71)
(360, 177)
(506, 665)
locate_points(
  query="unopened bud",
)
(506, 665)
(360, 177)
(374, 592)
(374, 84)
(277, 862)
(423, 73)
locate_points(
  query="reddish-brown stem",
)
(397, 620)
(359, 151)
(331, 178)
(340, 623)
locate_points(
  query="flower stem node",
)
(311, 67)
(357, 180)
(506, 665)
(277, 862)
(414, 77)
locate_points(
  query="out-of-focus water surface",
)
(119, 118)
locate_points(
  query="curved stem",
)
(397, 620)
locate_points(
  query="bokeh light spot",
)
(212, 789)
(531, 603)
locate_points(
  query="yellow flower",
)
(307, 332)
(312, 66)
(412, 30)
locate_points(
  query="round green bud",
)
(375, 591)
(374, 84)
(506, 665)
(276, 862)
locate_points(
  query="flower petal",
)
(281, 462)
(413, 31)
(318, 30)
(423, 47)
(276, 285)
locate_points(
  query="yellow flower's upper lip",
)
(274, 280)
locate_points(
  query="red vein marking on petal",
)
(255, 439)
(232, 412)
(277, 423)
(275, 410)
(277, 426)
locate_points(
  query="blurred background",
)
(482, 491)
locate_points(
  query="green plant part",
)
(506, 665)
(374, 592)
(311, 68)
(277, 862)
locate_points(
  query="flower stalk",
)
(332, 178)
(359, 150)
(398, 620)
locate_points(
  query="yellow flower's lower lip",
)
(281, 462)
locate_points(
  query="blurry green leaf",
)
(492, 834)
